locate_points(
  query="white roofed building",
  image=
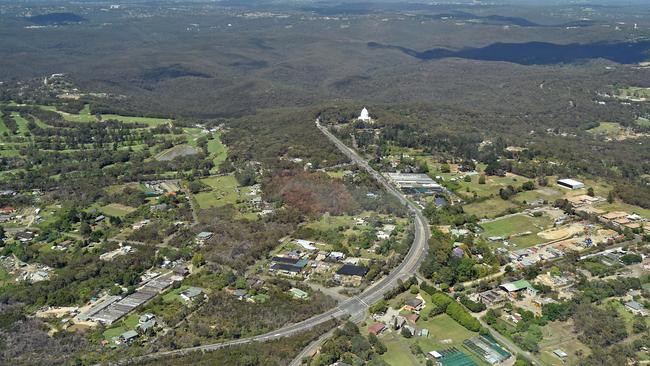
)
(364, 116)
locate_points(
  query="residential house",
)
(203, 236)
(7, 210)
(514, 288)
(491, 297)
(240, 294)
(398, 322)
(306, 244)
(376, 328)
(410, 329)
(636, 308)
(146, 326)
(350, 275)
(299, 294)
(25, 236)
(413, 318)
(288, 266)
(128, 336)
(192, 293)
(181, 271)
(414, 304)
(146, 317)
(336, 256)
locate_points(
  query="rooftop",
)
(517, 285)
(352, 270)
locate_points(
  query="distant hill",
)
(56, 18)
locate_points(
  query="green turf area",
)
(131, 321)
(83, 116)
(3, 127)
(218, 150)
(150, 121)
(116, 209)
(4, 275)
(192, 134)
(113, 332)
(21, 122)
(336, 174)
(9, 153)
(224, 191)
(518, 224)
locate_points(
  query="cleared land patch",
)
(176, 151)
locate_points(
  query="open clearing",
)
(116, 209)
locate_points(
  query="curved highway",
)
(354, 307)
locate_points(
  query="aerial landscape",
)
(325, 183)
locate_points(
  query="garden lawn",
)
(113, 332)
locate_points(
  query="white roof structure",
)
(364, 116)
(573, 184)
(306, 244)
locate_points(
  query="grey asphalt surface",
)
(354, 307)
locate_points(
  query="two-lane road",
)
(354, 307)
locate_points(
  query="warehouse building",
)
(570, 183)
